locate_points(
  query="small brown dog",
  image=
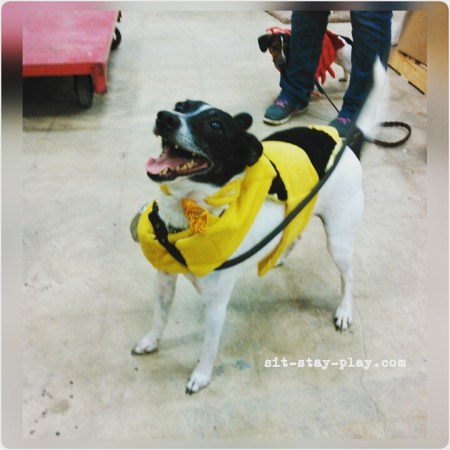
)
(277, 41)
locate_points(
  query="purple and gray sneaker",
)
(282, 110)
(341, 124)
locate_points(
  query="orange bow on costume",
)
(197, 216)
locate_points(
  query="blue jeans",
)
(371, 32)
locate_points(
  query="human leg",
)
(308, 30)
(297, 79)
(371, 38)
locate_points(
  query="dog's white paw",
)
(343, 318)
(148, 344)
(198, 380)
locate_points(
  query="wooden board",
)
(409, 68)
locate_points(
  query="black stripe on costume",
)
(278, 188)
(317, 144)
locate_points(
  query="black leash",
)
(321, 90)
(379, 142)
(386, 144)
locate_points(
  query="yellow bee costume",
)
(211, 240)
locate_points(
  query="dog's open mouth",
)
(175, 161)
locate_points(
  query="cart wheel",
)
(85, 90)
(117, 39)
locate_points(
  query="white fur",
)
(170, 209)
(344, 59)
(376, 101)
(339, 205)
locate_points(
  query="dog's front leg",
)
(165, 294)
(216, 289)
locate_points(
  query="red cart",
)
(78, 43)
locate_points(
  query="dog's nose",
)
(167, 120)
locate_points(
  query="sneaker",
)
(341, 124)
(281, 111)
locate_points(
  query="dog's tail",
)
(367, 120)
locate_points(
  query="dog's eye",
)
(215, 125)
(179, 107)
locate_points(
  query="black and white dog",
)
(203, 148)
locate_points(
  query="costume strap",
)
(162, 234)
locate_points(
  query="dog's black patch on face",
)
(264, 42)
(278, 46)
(203, 143)
(317, 144)
(267, 40)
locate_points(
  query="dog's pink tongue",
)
(156, 166)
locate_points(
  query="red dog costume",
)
(331, 44)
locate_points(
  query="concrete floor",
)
(88, 289)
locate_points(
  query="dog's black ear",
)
(251, 148)
(264, 42)
(243, 121)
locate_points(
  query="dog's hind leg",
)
(340, 206)
(340, 246)
(165, 294)
(341, 228)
